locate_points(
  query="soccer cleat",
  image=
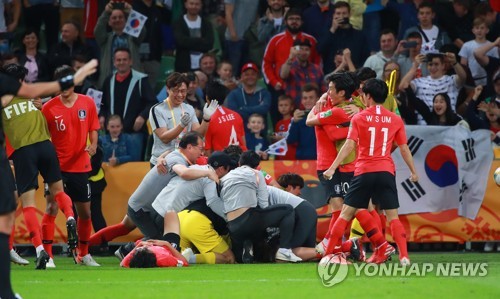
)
(50, 263)
(286, 254)
(87, 261)
(247, 256)
(321, 247)
(17, 259)
(41, 260)
(356, 253)
(72, 237)
(382, 254)
(119, 254)
(188, 254)
(404, 261)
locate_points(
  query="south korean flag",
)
(135, 23)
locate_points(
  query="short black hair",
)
(250, 158)
(414, 34)
(290, 179)
(122, 49)
(293, 12)
(143, 258)
(63, 71)
(190, 138)
(234, 151)
(344, 81)
(16, 71)
(377, 89)
(175, 79)
(365, 73)
(426, 4)
(214, 90)
(339, 4)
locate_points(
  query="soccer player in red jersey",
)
(226, 126)
(153, 253)
(72, 120)
(374, 130)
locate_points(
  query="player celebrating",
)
(374, 130)
(72, 119)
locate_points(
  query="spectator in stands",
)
(37, 12)
(441, 113)
(239, 16)
(116, 38)
(92, 11)
(194, 36)
(76, 63)
(458, 22)
(484, 10)
(426, 88)
(413, 43)
(480, 29)
(118, 147)
(317, 17)
(372, 24)
(486, 114)
(298, 70)
(227, 127)
(489, 63)
(254, 139)
(286, 106)
(225, 75)
(341, 35)
(278, 51)
(128, 94)
(407, 12)
(433, 37)
(192, 98)
(406, 109)
(151, 49)
(32, 59)
(71, 44)
(342, 62)
(272, 22)
(12, 9)
(388, 45)
(249, 98)
(300, 134)
(208, 64)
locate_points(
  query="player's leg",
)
(304, 234)
(333, 188)
(171, 228)
(111, 232)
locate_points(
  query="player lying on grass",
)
(153, 253)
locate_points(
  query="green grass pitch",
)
(268, 281)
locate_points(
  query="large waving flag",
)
(452, 163)
(135, 23)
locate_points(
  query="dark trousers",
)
(144, 223)
(304, 233)
(98, 221)
(253, 223)
(48, 14)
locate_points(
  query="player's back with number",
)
(375, 129)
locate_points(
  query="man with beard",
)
(277, 53)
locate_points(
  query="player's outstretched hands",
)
(86, 70)
(414, 177)
(185, 119)
(328, 174)
(209, 110)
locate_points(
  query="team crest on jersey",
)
(82, 114)
(325, 114)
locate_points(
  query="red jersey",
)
(375, 129)
(282, 127)
(226, 128)
(164, 258)
(69, 128)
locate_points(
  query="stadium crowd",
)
(180, 81)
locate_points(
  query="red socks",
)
(65, 204)
(376, 218)
(32, 225)
(334, 245)
(108, 233)
(48, 228)
(335, 216)
(84, 228)
(371, 230)
(11, 237)
(399, 234)
(383, 221)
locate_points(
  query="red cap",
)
(249, 65)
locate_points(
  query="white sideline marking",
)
(174, 281)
